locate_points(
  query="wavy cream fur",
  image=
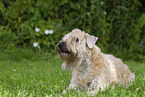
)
(91, 69)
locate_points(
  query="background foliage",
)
(119, 24)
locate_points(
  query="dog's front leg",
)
(72, 85)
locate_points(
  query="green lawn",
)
(42, 76)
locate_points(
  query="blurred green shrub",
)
(7, 38)
(138, 39)
(117, 23)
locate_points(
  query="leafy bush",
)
(7, 38)
(117, 23)
(138, 39)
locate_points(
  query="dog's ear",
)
(91, 40)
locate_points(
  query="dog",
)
(91, 69)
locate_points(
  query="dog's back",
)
(122, 72)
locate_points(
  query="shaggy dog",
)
(91, 69)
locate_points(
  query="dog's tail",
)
(132, 75)
(131, 78)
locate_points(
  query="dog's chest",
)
(84, 67)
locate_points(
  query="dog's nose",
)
(60, 45)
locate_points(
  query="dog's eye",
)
(76, 39)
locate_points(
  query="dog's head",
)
(75, 44)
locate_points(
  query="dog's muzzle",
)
(62, 48)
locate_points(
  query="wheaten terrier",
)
(91, 69)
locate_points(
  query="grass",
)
(26, 73)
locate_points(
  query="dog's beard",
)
(65, 56)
